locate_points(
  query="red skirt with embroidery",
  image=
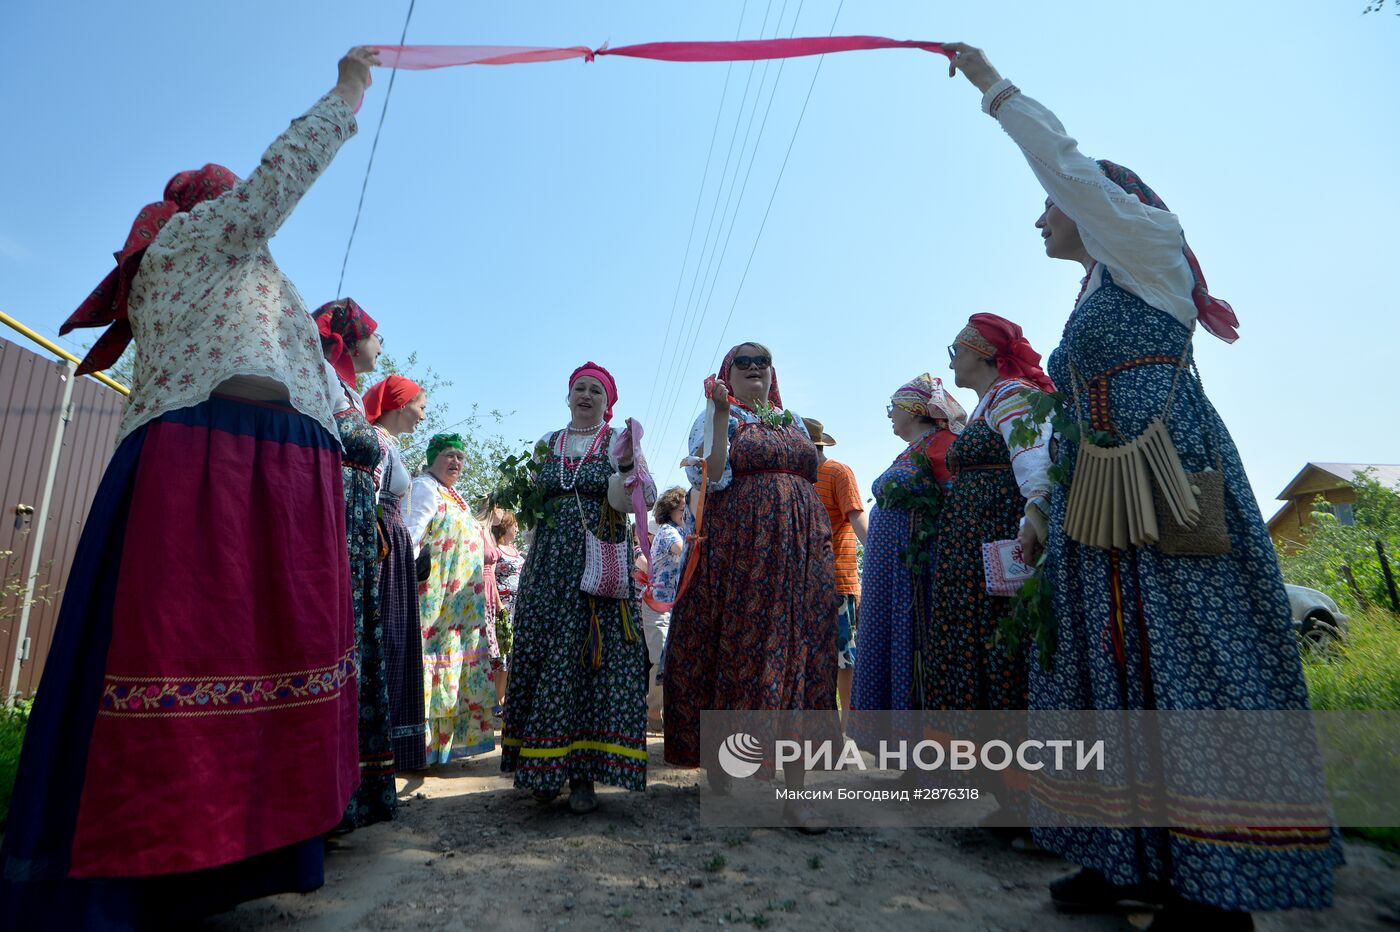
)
(226, 721)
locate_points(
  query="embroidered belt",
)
(1098, 387)
(360, 466)
(983, 466)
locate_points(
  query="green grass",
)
(12, 722)
(1361, 673)
(1364, 674)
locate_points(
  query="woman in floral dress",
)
(576, 706)
(997, 485)
(351, 345)
(1200, 632)
(507, 588)
(457, 687)
(895, 608)
(756, 629)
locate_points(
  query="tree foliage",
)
(480, 430)
(1330, 548)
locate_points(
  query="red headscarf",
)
(342, 324)
(1013, 354)
(107, 303)
(775, 398)
(593, 370)
(389, 395)
(1216, 315)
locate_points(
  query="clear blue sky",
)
(522, 219)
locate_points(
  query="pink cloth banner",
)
(420, 57)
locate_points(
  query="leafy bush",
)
(1330, 549)
(12, 722)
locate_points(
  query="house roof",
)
(1387, 474)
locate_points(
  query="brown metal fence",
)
(32, 389)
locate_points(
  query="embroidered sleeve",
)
(1140, 244)
(1030, 463)
(250, 214)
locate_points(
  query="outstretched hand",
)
(972, 62)
(354, 74)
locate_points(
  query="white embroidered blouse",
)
(1140, 245)
(1003, 405)
(209, 304)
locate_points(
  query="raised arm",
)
(252, 212)
(1117, 229)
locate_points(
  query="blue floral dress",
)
(885, 677)
(1141, 629)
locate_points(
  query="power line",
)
(707, 295)
(672, 382)
(373, 147)
(694, 218)
(774, 195)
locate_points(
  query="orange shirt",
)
(836, 486)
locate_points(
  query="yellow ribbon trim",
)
(575, 746)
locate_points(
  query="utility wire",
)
(373, 146)
(776, 184)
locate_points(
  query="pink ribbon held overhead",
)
(421, 57)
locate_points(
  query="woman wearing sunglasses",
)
(755, 627)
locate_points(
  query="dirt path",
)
(471, 852)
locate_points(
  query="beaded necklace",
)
(456, 496)
(570, 473)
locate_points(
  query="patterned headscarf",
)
(107, 305)
(389, 395)
(925, 396)
(593, 370)
(442, 442)
(1216, 315)
(775, 397)
(342, 324)
(1002, 341)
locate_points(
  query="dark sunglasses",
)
(753, 362)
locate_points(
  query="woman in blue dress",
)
(1138, 628)
(896, 598)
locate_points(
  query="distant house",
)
(1331, 481)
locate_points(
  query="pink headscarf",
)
(593, 370)
(775, 398)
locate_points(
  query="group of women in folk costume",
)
(288, 717)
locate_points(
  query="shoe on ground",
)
(1090, 892)
(582, 798)
(1179, 914)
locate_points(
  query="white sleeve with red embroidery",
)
(1005, 405)
(1140, 245)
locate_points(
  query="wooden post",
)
(1389, 578)
(1351, 583)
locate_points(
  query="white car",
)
(1317, 620)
